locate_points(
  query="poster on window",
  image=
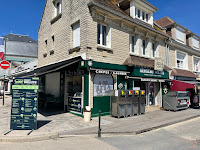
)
(103, 85)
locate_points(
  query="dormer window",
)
(195, 41)
(180, 35)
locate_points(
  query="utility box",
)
(118, 101)
(176, 100)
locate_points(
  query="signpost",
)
(24, 104)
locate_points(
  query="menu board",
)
(24, 104)
(75, 104)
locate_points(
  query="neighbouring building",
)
(183, 51)
(86, 48)
(20, 49)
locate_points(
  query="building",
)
(183, 51)
(90, 47)
(20, 49)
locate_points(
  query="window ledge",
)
(56, 18)
(75, 49)
(104, 48)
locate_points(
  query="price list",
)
(24, 104)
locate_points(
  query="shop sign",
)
(98, 71)
(77, 72)
(74, 104)
(24, 104)
(158, 64)
(145, 72)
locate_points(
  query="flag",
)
(2, 48)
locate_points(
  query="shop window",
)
(103, 85)
(76, 34)
(103, 35)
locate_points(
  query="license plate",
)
(183, 102)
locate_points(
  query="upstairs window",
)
(143, 15)
(144, 44)
(196, 66)
(132, 44)
(57, 5)
(76, 34)
(180, 35)
(153, 50)
(103, 35)
(195, 41)
(147, 17)
(181, 60)
(138, 13)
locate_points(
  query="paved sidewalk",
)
(65, 124)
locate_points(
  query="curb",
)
(28, 139)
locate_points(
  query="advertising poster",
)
(103, 84)
(24, 104)
(75, 104)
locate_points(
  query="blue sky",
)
(23, 16)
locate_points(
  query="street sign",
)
(4, 64)
(24, 104)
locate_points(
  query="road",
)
(181, 136)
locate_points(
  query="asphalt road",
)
(182, 136)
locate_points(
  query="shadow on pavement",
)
(51, 110)
(41, 123)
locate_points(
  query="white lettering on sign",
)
(143, 70)
(111, 72)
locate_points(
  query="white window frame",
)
(76, 34)
(180, 31)
(195, 41)
(193, 58)
(141, 15)
(146, 52)
(108, 35)
(57, 12)
(131, 44)
(185, 61)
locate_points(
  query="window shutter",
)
(180, 35)
(195, 43)
(76, 35)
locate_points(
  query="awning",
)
(183, 73)
(180, 85)
(49, 68)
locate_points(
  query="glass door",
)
(151, 94)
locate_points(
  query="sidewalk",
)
(65, 124)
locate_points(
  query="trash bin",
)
(135, 101)
(87, 114)
(142, 99)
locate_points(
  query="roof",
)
(183, 73)
(19, 38)
(167, 22)
(143, 62)
(110, 6)
(23, 49)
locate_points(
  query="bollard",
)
(99, 131)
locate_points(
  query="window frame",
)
(143, 49)
(76, 39)
(132, 47)
(154, 49)
(193, 60)
(107, 37)
(185, 61)
(197, 40)
(178, 29)
(57, 8)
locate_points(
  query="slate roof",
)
(142, 62)
(20, 38)
(183, 73)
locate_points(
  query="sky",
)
(23, 16)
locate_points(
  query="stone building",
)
(86, 48)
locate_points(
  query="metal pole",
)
(99, 131)
(4, 76)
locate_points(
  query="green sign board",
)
(24, 104)
(149, 73)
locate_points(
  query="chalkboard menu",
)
(24, 104)
(75, 104)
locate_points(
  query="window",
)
(147, 17)
(181, 60)
(103, 35)
(138, 13)
(132, 44)
(144, 47)
(153, 50)
(195, 41)
(196, 66)
(180, 35)
(57, 7)
(76, 34)
(143, 15)
(53, 39)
